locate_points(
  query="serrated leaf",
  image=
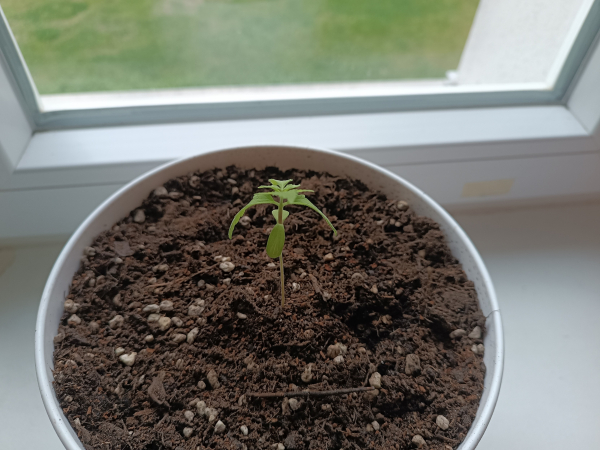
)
(280, 184)
(276, 241)
(301, 200)
(284, 214)
(262, 198)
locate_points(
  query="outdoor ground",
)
(90, 45)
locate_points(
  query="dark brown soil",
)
(390, 290)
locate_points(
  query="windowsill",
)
(241, 94)
(543, 152)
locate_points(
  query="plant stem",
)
(282, 280)
(280, 220)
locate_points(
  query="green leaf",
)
(303, 201)
(276, 241)
(262, 198)
(280, 184)
(288, 196)
(285, 214)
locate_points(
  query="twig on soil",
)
(308, 393)
(182, 279)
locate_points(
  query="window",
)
(88, 63)
(88, 46)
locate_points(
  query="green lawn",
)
(98, 45)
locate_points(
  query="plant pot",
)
(129, 197)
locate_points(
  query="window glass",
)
(117, 45)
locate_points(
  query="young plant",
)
(287, 194)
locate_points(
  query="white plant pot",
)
(129, 197)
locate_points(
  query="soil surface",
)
(169, 326)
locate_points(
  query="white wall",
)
(516, 41)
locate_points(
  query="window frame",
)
(334, 101)
(51, 179)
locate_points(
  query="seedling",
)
(288, 194)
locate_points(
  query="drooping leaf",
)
(276, 241)
(261, 198)
(303, 201)
(284, 215)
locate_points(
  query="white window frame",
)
(549, 141)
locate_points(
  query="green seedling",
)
(287, 194)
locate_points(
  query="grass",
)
(92, 45)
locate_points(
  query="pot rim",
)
(50, 401)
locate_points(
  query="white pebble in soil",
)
(151, 309)
(271, 265)
(189, 415)
(166, 305)
(476, 333)
(71, 307)
(227, 266)
(164, 323)
(191, 336)
(478, 349)
(328, 257)
(116, 322)
(413, 365)
(177, 322)
(458, 333)
(160, 268)
(179, 338)
(442, 422)
(74, 320)
(338, 360)
(119, 351)
(242, 316)
(211, 414)
(117, 301)
(201, 385)
(418, 441)
(245, 221)
(307, 374)
(152, 318)
(402, 205)
(161, 191)
(201, 407)
(196, 309)
(213, 379)
(375, 380)
(149, 338)
(244, 430)
(294, 404)
(128, 358)
(375, 425)
(139, 216)
(336, 349)
(187, 432)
